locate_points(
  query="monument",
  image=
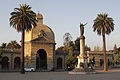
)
(82, 58)
(82, 66)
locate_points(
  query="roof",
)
(42, 39)
(42, 27)
(11, 51)
(59, 52)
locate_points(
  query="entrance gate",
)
(41, 60)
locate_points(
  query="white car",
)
(29, 69)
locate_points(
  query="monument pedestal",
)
(82, 71)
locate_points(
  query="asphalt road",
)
(59, 76)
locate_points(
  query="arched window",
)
(5, 63)
(17, 63)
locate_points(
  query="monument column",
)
(82, 66)
(82, 58)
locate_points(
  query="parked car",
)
(69, 68)
(29, 69)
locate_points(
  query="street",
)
(59, 76)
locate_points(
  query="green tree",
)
(77, 44)
(67, 38)
(71, 43)
(13, 45)
(115, 47)
(23, 19)
(71, 58)
(3, 45)
(97, 48)
(117, 55)
(103, 25)
(87, 48)
(61, 48)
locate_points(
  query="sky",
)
(64, 16)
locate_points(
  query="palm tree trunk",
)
(22, 55)
(104, 50)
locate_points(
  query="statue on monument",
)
(82, 65)
(82, 29)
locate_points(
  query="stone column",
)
(82, 58)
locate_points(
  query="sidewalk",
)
(109, 70)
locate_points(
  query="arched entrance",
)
(101, 62)
(41, 60)
(5, 63)
(59, 63)
(108, 62)
(17, 63)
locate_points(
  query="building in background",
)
(96, 58)
(10, 59)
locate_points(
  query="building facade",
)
(60, 60)
(98, 58)
(39, 51)
(10, 59)
(40, 46)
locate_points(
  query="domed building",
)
(39, 51)
(40, 46)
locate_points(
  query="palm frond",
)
(103, 24)
(23, 18)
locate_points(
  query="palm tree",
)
(13, 45)
(103, 25)
(23, 19)
(3, 45)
